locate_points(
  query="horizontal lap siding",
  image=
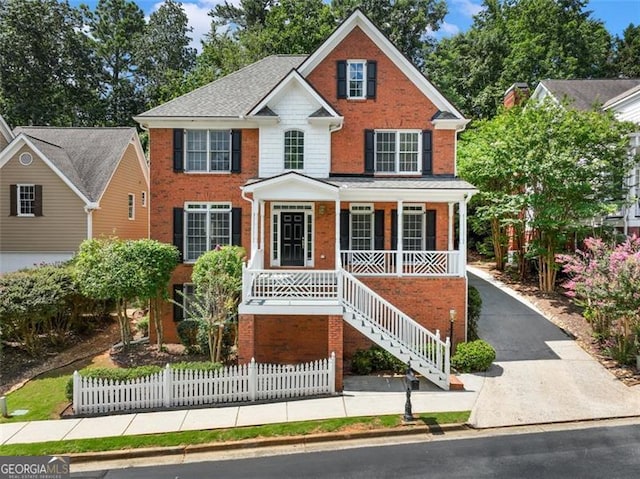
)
(63, 224)
(112, 219)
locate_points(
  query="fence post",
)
(332, 373)
(76, 392)
(253, 380)
(167, 386)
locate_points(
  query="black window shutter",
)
(178, 231)
(369, 151)
(13, 200)
(394, 229)
(342, 78)
(430, 218)
(344, 229)
(372, 73)
(427, 153)
(37, 203)
(178, 150)
(236, 226)
(378, 238)
(236, 151)
(178, 312)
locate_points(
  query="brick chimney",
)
(515, 95)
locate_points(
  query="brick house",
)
(337, 173)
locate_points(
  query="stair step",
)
(455, 384)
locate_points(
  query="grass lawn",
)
(43, 397)
(224, 435)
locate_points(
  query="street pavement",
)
(540, 374)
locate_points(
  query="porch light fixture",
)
(452, 319)
(321, 209)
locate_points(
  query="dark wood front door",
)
(292, 239)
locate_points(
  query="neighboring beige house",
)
(60, 186)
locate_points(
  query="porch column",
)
(451, 217)
(337, 239)
(262, 208)
(399, 266)
(462, 212)
(254, 227)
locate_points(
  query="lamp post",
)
(411, 384)
(452, 319)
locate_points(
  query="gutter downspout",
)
(89, 209)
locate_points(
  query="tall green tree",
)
(626, 57)
(568, 168)
(163, 54)
(518, 41)
(117, 27)
(47, 70)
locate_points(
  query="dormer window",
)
(293, 150)
(357, 79)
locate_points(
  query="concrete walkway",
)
(540, 374)
(364, 396)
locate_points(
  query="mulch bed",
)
(560, 310)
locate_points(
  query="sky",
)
(616, 14)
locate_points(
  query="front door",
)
(292, 239)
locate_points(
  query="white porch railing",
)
(414, 263)
(291, 284)
(176, 387)
(428, 353)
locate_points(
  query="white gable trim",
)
(293, 77)
(359, 19)
(298, 185)
(541, 92)
(5, 130)
(629, 96)
(22, 140)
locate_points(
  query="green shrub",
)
(143, 326)
(197, 365)
(474, 307)
(188, 333)
(474, 356)
(365, 361)
(622, 349)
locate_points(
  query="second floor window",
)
(293, 150)
(207, 225)
(357, 85)
(397, 151)
(208, 150)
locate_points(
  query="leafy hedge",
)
(474, 356)
(366, 361)
(474, 308)
(129, 374)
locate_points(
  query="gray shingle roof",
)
(87, 156)
(233, 95)
(587, 94)
(419, 183)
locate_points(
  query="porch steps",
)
(397, 348)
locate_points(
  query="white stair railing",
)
(423, 346)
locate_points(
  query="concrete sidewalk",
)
(368, 396)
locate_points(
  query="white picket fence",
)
(183, 387)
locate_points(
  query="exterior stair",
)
(394, 331)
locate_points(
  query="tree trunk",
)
(498, 243)
(154, 311)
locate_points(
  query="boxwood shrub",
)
(474, 307)
(474, 356)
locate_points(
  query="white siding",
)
(629, 110)
(294, 109)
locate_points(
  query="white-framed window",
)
(361, 219)
(356, 79)
(131, 205)
(143, 199)
(207, 225)
(397, 151)
(208, 150)
(293, 150)
(26, 200)
(413, 228)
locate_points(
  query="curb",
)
(262, 443)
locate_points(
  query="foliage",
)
(366, 361)
(474, 308)
(143, 326)
(548, 168)
(48, 75)
(605, 280)
(188, 333)
(217, 276)
(473, 356)
(622, 349)
(626, 53)
(196, 366)
(523, 41)
(43, 304)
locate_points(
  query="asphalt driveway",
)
(540, 374)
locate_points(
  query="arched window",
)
(293, 150)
